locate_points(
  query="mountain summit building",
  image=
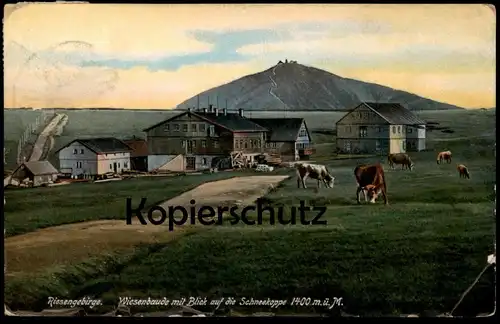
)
(380, 128)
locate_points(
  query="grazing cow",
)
(400, 158)
(463, 172)
(371, 181)
(446, 156)
(314, 171)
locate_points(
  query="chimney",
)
(240, 112)
(210, 108)
(216, 111)
(205, 110)
(224, 111)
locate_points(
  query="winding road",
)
(274, 85)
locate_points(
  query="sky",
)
(158, 55)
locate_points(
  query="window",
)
(75, 151)
(202, 127)
(258, 143)
(409, 130)
(236, 144)
(183, 143)
(204, 161)
(347, 146)
(394, 129)
(348, 129)
(118, 164)
(177, 127)
(184, 127)
(203, 143)
(166, 128)
(302, 132)
(246, 144)
(404, 146)
(79, 165)
(111, 166)
(216, 144)
(399, 129)
(212, 130)
(363, 131)
(125, 165)
(377, 145)
(379, 129)
(241, 144)
(193, 127)
(81, 151)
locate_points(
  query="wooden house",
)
(94, 157)
(380, 128)
(37, 172)
(288, 137)
(191, 139)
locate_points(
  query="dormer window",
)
(75, 151)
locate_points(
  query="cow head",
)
(372, 192)
(330, 181)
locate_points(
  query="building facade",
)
(380, 128)
(94, 157)
(192, 139)
(288, 137)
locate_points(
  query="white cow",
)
(314, 171)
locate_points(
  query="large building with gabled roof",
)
(94, 157)
(380, 128)
(192, 139)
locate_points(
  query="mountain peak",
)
(296, 87)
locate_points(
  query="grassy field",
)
(418, 254)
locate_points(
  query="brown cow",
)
(371, 180)
(463, 172)
(446, 156)
(400, 158)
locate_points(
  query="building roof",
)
(282, 129)
(101, 145)
(230, 121)
(139, 147)
(395, 113)
(40, 167)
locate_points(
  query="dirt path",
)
(75, 242)
(38, 148)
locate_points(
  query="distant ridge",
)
(296, 87)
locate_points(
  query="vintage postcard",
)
(249, 159)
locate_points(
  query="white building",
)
(94, 156)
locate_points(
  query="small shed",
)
(37, 172)
(139, 154)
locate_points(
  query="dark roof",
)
(395, 113)
(282, 129)
(40, 167)
(230, 121)
(101, 145)
(139, 147)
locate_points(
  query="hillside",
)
(297, 87)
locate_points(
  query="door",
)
(190, 163)
(377, 146)
(189, 146)
(347, 146)
(114, 167)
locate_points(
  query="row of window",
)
(185, 127)
(303, 145)
(79, 165)
(75, 151)
(302, 133)
(363, 130)
(247, 143)
(192, 143)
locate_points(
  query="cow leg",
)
(319, 183)
(358, 190)
(304, 178)
(298, 181)
(366, 195)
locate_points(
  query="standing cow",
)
(314, 171)
(446, 156)
(463, 172)
(400, 158)
(371, 181)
